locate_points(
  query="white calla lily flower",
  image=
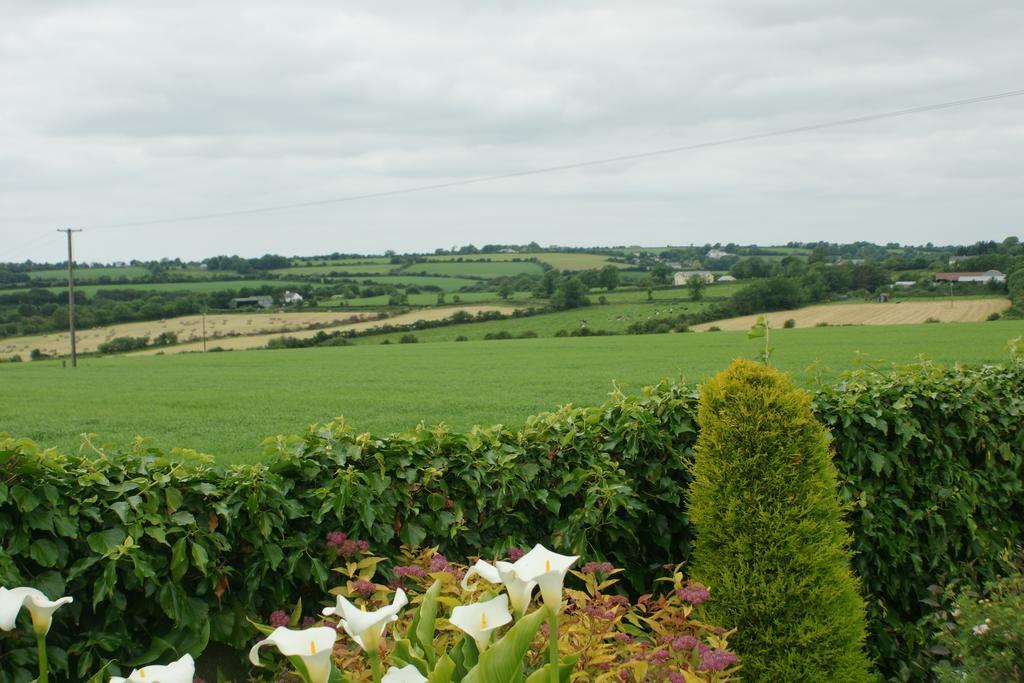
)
(39, 606)
(407, 674)
(480, 618)
(366, 628)
(519, 592)
(314, 646)
(548, 569)
(181, 671)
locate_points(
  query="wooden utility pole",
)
(71, 296)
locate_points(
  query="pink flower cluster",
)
(279, 618)
(515, 553)
(439, 563)
(717, 660)
(345, 546)
(594, 567)
(694, 593)
(364, 587)
(411, 570)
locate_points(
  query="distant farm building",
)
(683, 276)
(251, 302)
(987, 276)
(726, 278)
(291, 298)
(904, 283)
(717, 253)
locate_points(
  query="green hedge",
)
(168, 551)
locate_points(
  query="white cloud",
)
(117, 112)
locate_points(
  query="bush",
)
(714, 328)
(165, 339)
(789, 324)
(528, 334)
(931, 465)
(985, 636)
(38, 354)
(933, 320)
(602, 635)
(770, 537)
(123, 344)
(462, 338)
(503, 334)
(993, 316)
(408, 339)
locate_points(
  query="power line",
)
(23, 248)
(573, 165)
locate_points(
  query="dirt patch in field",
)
(890, 313)
(229, 331)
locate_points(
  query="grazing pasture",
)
(130, 272)
(349, 269)
(430, 299)
(195, 286)
(224, 403)
(610, 318)
(448, 284)
(472, 269)
(557, 260)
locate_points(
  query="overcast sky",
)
(116, 112)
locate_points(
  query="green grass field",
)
(470, 269)
(224, 403)
(354, 270)
(130, 272)
(610, 317)
(448, 284)
(558, 260)
(343, 262)
(430, 299)
(198, 286)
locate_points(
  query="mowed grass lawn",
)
(225, 403)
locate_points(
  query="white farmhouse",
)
(291, 298)
(683, 276)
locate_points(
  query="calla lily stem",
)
(44, 664)
(553, 647)
(375, 665)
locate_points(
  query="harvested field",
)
(187, 328)
(260, 340)
(891, 313)
(229, 331)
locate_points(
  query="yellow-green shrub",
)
(770, 537)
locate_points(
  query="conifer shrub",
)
(770, 536)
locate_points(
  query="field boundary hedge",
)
(167, 550)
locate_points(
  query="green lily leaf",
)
(565, 667)
(405, 652)
(422, 630)
(502, 662)
(465, 655)
(443, 672)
